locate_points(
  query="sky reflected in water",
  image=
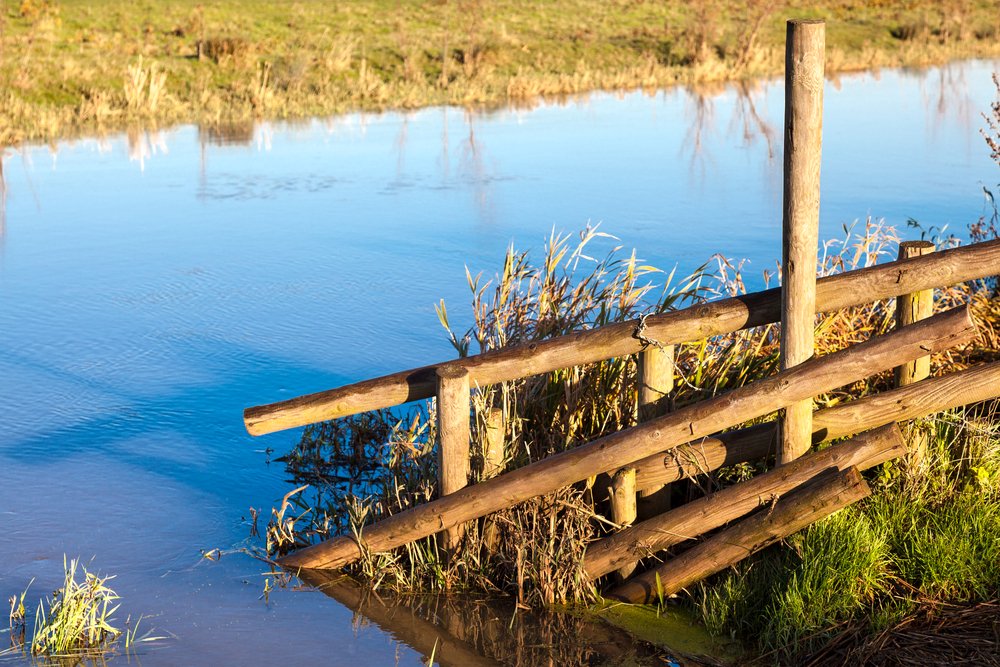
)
(153, 284)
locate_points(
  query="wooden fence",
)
(668, 446)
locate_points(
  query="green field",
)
(71, 66)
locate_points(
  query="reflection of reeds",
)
(462, 630)
(65, 78)
(992, 133)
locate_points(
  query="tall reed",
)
(367, 467)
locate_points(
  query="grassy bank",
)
(70, 66)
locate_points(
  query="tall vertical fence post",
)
(453, 408)
(805, 43)
(912, 308)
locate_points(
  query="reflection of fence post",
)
(912, 308)
(804, 65)
(656, 381)
(453, 400)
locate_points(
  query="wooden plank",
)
(628, 546)
(620, 449)
(791, 514)
(979, 383)
(655, 377)
(717, 317)
(453, 411)
(805, 43)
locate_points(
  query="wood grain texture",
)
(853, 288)
(829, 493)
(453, 412)
(912, 308)
(805, 44)
(655, 377)
(623, 507)
(697, 517)
(979, 383)
(620, 449)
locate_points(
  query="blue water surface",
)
(154, 284)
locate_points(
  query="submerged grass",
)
(70, 66)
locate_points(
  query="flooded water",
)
(152, 285)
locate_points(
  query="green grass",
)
(76, 625)
(920, 539)
(65, 64)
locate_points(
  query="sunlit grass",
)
(76, 623)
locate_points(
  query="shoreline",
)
(240, 129)
(80, 70)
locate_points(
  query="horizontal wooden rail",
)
(829, 493)
(626, 547)
(979, 383)
(619, 449)
(717, 317)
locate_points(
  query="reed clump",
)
(363, 468)
(76, 624)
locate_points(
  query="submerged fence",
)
(669, 446)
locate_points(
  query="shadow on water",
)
(466, 632)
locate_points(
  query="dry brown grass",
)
(71, 66)
(367, 467)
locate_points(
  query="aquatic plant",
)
(76, 623)
(79, 616)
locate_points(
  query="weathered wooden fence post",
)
(656, 381)
(655, 378)
(493, 448)
(493, 464)
(911, 308)
(804, 69)
(453, 405)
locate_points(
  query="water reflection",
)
(3, 197)
(145, 144)
(465, 632)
